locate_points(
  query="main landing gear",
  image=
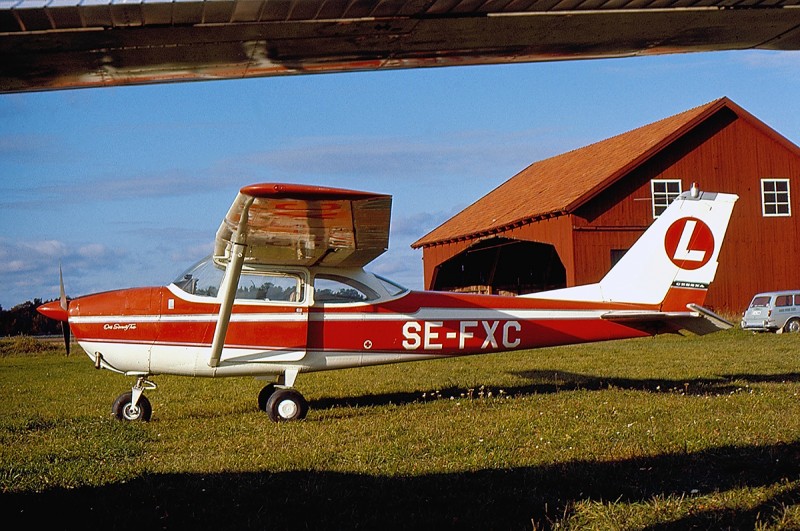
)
(282, 403)
(133, 405)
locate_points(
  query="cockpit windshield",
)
(204, 278)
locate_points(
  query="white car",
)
(773, 311)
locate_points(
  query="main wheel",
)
(263, 396)
(286, 404)
(123, 408)
(792, 326)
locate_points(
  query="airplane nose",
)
(53, 310)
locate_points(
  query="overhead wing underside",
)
(306, 225)
(56, 44)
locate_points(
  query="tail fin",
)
(672, 263)
(675, 260)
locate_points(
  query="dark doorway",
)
(502, 266)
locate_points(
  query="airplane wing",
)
(292, 224)
(698, 320)
(57, 44)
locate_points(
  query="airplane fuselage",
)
(164, 331)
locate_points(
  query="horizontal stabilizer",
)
(699, 320)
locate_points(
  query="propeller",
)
(64, 306)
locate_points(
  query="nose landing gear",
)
(133, 405)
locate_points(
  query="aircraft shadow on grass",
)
(516, 498)
(548, 382)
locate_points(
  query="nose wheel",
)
(133, 405)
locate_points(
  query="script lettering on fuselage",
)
(118, 326)
(461, 335)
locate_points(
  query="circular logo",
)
(689, 243)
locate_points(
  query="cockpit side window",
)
(333, 289)
(269, 287)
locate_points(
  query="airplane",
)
(285, 292)
(71, 44)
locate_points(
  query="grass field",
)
(663, 433)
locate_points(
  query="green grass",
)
(662, 433)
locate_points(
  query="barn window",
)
(616, 255)
(775, 197)
(663, 192)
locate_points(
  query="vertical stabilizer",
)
(675, 260)
(672, 263)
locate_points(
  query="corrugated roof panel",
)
(276, 10)
(96, 13)
(65, 14)
(247, 10)
(442, 7)
(33, 16)
(359, 9)
(331, 9)
(211, 12)
(8, 19)
(304, 10)
(127, 13)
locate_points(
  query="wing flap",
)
(307, 225)
(699, 320)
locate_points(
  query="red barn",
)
(564, 221)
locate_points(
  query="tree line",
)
(23, 319)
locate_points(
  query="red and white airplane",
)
(285, 292)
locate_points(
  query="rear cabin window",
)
(783, 300)
(331, 289)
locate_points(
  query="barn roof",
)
(538, 191)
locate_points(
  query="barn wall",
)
(725, 154)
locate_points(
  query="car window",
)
(783, 300)
(760, 301)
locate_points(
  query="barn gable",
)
(609, 203)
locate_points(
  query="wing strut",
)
(228, 289)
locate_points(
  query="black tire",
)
(122, 409)
(792, 326)
(286, 405)
(263, 396)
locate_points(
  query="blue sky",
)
(126, 186)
